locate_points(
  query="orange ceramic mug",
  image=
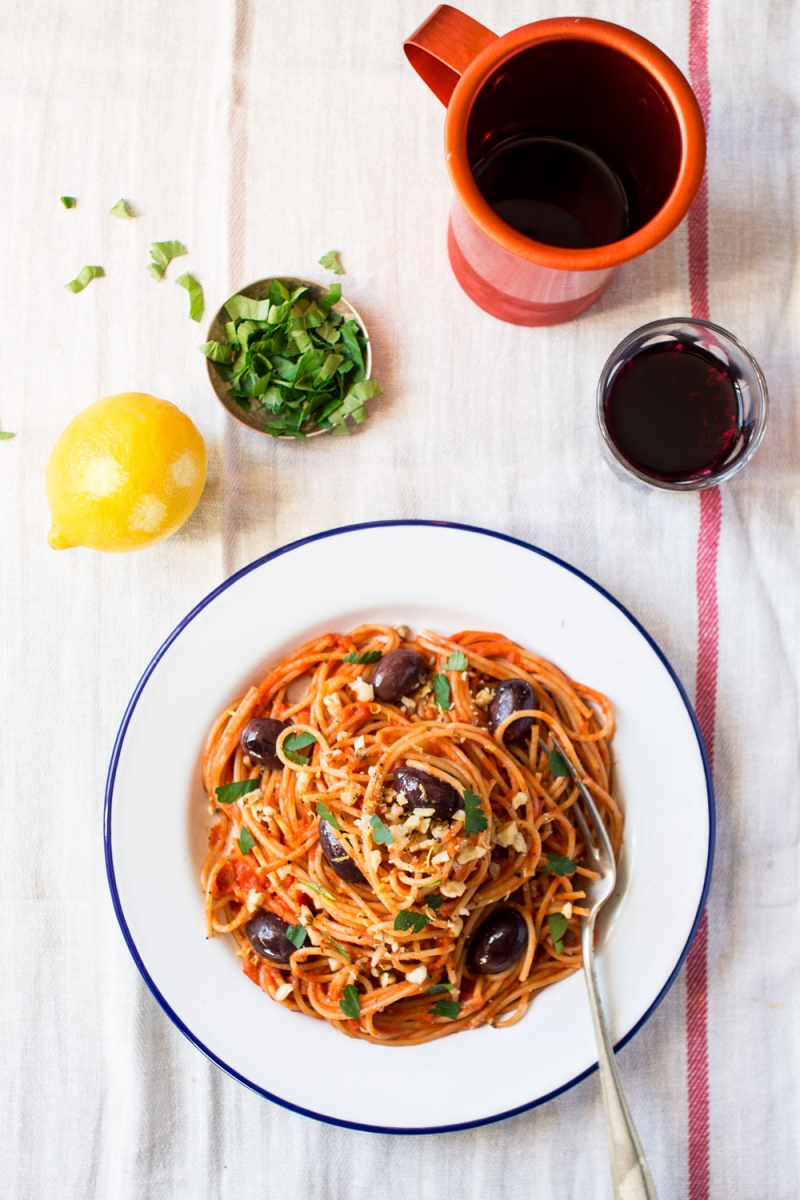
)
(573, 146)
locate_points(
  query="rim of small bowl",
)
(669, 325)
(216, 332)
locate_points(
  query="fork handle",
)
(629, 1170)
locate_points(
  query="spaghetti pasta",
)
(404, 866)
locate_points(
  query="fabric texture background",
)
(262, 135)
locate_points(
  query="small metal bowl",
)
(257, 291)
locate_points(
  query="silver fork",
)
(629, 1170)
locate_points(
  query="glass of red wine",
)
(681, 404)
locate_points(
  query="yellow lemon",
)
(125, 473)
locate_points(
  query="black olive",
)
(266, 932)
(337, 856)
(258, 740)
(512, 695)
(498, 942)
(425, 791)
(398, 673)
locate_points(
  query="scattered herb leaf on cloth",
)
(123, 209)
(197, 304)
(294, 361)
(68, 201)
(332, 262)
(162, 254)
(5, 435)
(84, 276)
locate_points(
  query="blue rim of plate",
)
(112, 771)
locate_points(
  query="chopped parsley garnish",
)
(456, 662)
(228, 792)
(197, 304)
(558, 927)
(122, 209)
(474, 816)
(411, 920)
(349, 1003)
(437, 988)
(297, 935)
(295, 742)
(219, 352)
(441, 691)
(446, 1008)
(557, 765)
(315, 887)
(558, 865)
(162, 254)
(246, 841)
(5, 435)
(338, 947)
(68, 201)
(380, 834)
(294, 361)
(435, 902)
(332, 262)
(84, 276)
(245, 309)
(326, 814)
(368, 656)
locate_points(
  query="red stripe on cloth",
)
(698, 253)
(697, 961)
(698, 55)
(698, 214)
(708, 615)
(697, 1061)
(707, 649)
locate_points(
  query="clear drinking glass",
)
(652, 353)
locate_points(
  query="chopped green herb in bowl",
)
(290, 358)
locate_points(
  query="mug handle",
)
(444, 46)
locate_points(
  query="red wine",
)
(673, 411)
(554, 191)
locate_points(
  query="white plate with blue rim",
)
(335, 581)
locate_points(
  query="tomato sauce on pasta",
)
(392, 849)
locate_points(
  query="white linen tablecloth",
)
(262, 135)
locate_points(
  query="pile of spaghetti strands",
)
(359, 956)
